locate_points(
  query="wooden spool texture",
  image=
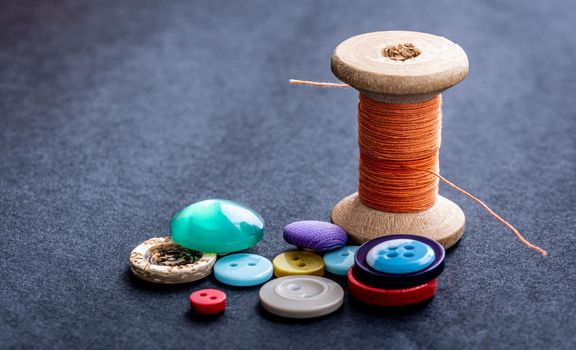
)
(444, 222)
(430, 65)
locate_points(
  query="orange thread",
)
(399, 146)
(491, 212)
(315, 83)
(394, 139)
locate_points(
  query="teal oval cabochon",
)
(217, 226)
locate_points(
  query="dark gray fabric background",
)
(116, 114)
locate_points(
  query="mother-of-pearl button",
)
(160, 260)
(301, 296)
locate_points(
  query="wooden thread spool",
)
(400, 67)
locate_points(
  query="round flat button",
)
(208, 301)
(243, 270)
(298, 262)
(378, 279)
(341, 260)
(160, 260)
(389, 297)
(400, 256)
(301, 296)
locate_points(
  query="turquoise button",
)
(217, 226)
(243, 270)
(400, 256)
(339, 261)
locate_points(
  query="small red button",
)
(389, 297)
(208, 301)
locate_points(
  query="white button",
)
(301, 296)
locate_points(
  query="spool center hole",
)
(401, 52)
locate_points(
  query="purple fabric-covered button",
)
(319, 236)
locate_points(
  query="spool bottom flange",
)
(443, 222)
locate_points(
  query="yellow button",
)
(298, 262)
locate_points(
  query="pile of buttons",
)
(300, 291)
(396, 270)
(197, 234)
(313, 237)
(388, 271)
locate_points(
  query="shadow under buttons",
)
(208, 301)
(301, 296)
(298, 262)
(339, 261)
(160, 260)
(243, 270)
(389, 297)
(371, 277)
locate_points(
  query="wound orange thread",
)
(399, 147)
(394, 139)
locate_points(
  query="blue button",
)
(399, 256)
(243, 270)
(340, 260)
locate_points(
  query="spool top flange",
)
(399, 66)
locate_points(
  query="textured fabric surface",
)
(114, 115)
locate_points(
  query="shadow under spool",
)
(398, 70)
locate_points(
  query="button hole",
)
(301, 264)
(392, 255)
(252, 264)
(213, 298)
(345, 254)
(409, 247)
(203, 294)
(408, 255)
(293, 286)
(233, 265)
(295, 258)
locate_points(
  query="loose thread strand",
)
(490, 211)
(315, 83)
(478, 201)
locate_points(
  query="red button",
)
(390, 297)
(208, 301)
